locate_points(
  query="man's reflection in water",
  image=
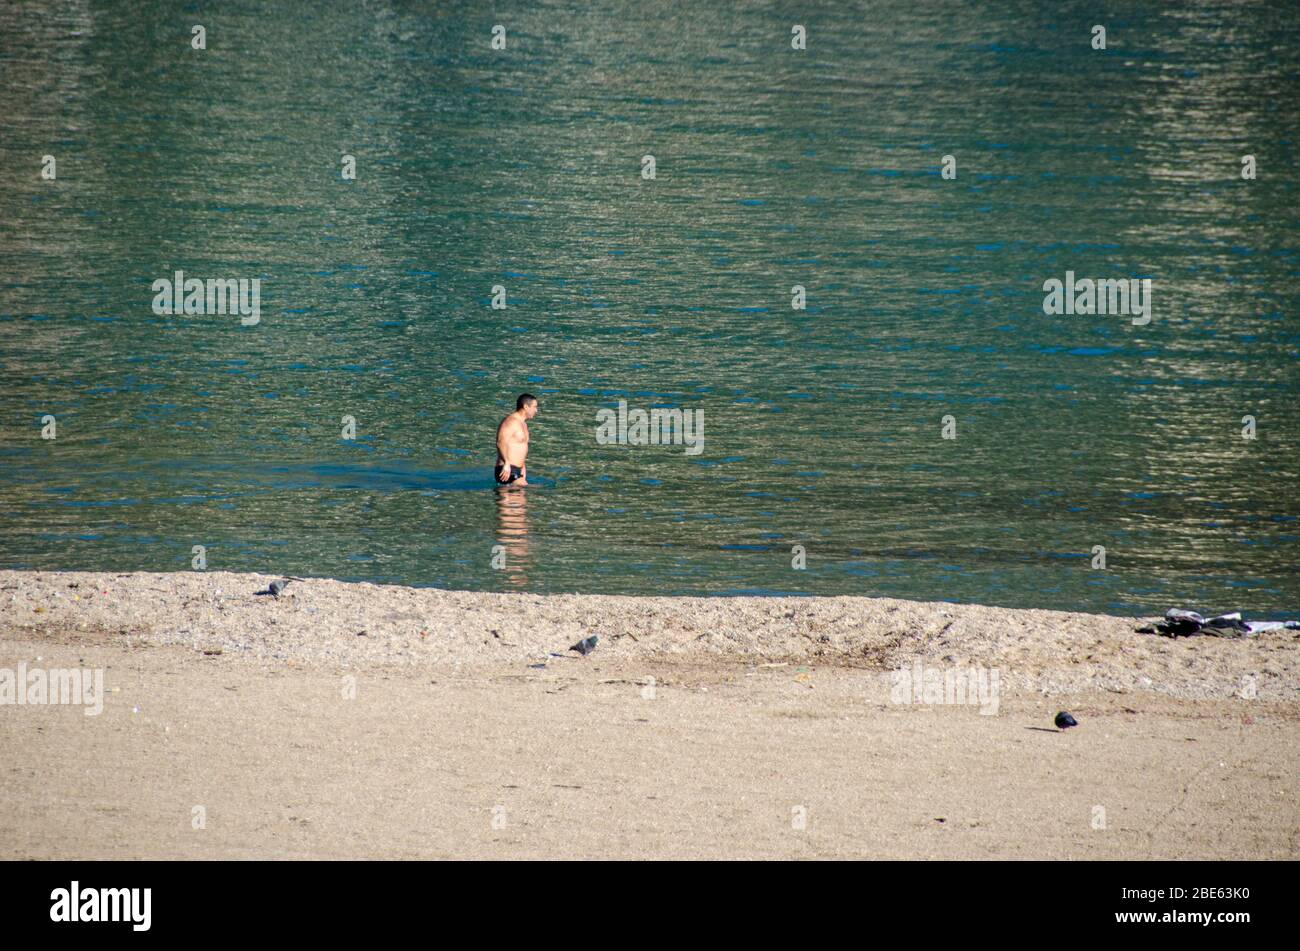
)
(512, 534)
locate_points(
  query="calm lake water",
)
(774, 167)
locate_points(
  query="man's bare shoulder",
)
(509, 423)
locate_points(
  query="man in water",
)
(512, 442)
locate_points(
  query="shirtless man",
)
(512, 442)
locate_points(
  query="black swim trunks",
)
(515, 473)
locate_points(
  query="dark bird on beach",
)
(1064, 721)
(586, 645)
(277, 586)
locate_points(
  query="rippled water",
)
(775, 167)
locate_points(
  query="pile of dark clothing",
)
(1180, 623)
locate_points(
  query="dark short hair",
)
(524, 400)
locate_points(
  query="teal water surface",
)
(775, 167)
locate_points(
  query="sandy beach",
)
(363, 721)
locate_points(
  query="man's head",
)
(526, 404)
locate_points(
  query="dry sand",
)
(700, 727)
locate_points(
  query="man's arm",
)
(503, 443)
